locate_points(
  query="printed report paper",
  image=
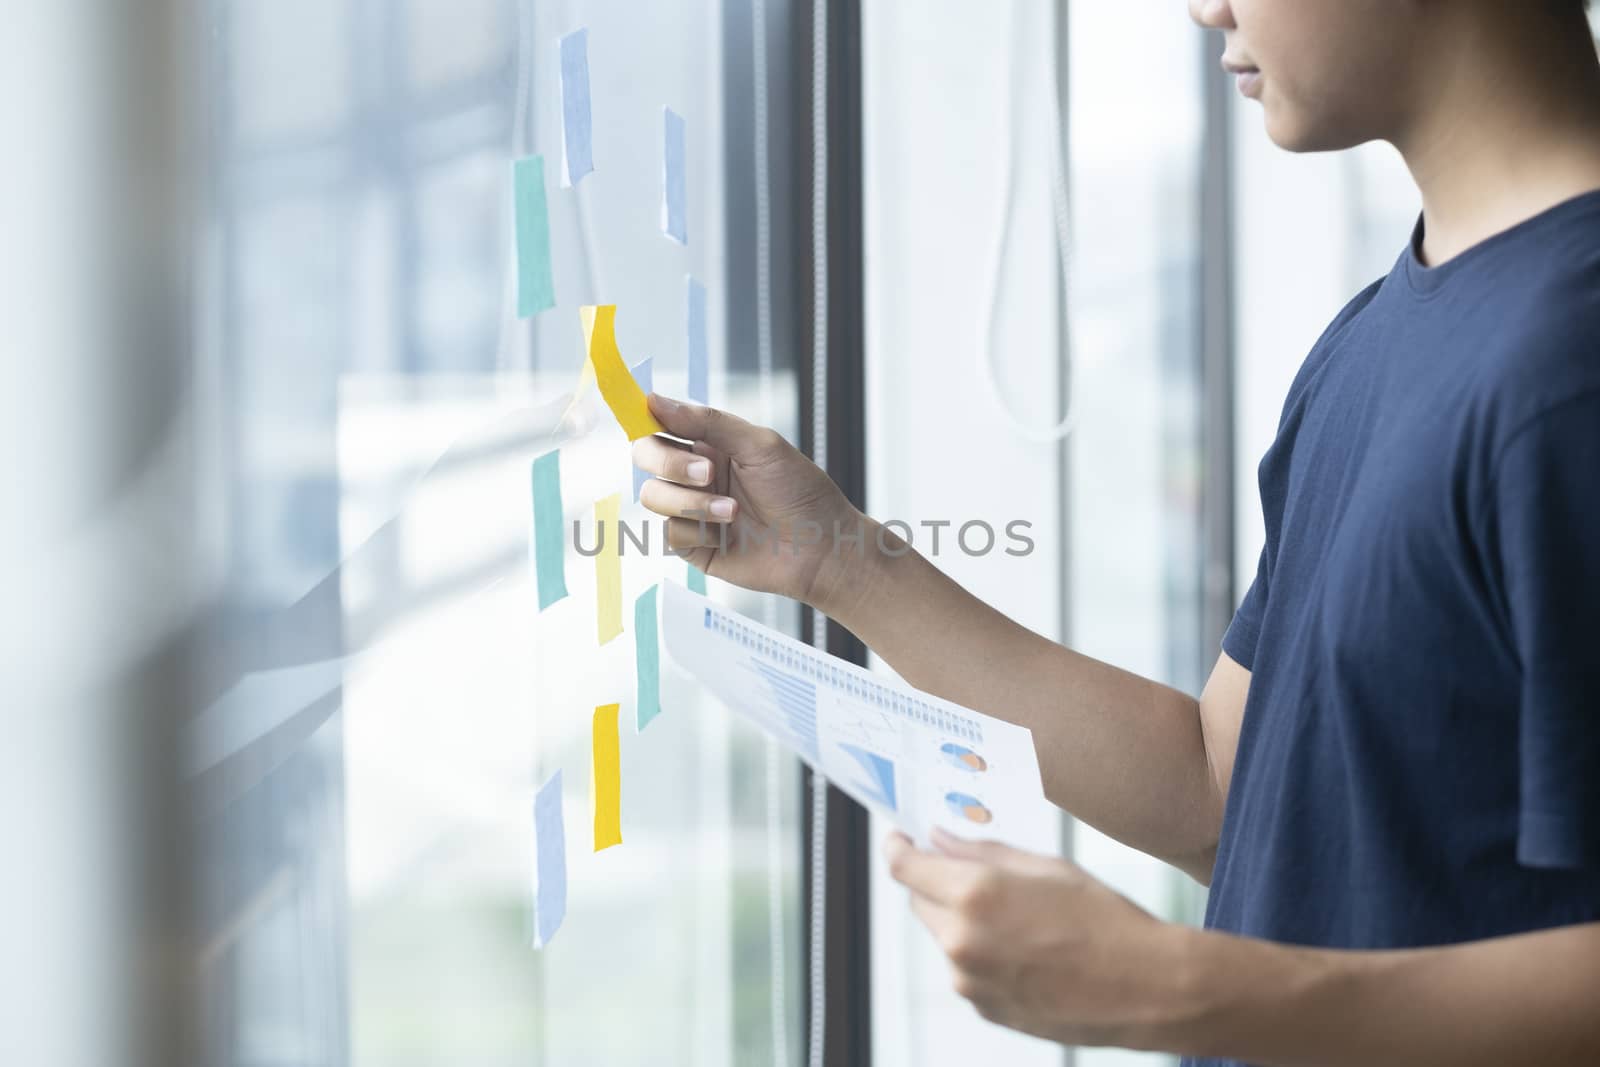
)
(919, 760)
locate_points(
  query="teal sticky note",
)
(697, 580)
(549, 550)
(536, 290)
(648, 654)
(550, 863)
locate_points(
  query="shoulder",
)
(1534, 400)
(1546, 356)
(1327, 345)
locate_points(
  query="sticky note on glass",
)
(549, 550)
(648, 656)
(674, 183)
(699, 372)
(622, 393)
(697, 579)
(550, 863)
(608, 567)
(606, 781)
(643, 373)
(536, 290)
(577, 124)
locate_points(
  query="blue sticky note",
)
(699, 375)
(674, 185)
(648, 655)
(549, 550)
(536, 290)
(697, 580)
(577, 124)
(645, 376)
(550, 863)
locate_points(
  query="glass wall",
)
(384, 696)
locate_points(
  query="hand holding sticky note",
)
(622, 393)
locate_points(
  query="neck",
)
(1506, 125)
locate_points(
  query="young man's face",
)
(1327, 72)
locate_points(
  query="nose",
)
(1212, 14)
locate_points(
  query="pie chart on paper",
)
(968, 807)
(962, 757)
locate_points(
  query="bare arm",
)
(1141, 762)
(1038, 945)
(1137, 760)
(1531, 998)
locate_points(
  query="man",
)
(1392, 779)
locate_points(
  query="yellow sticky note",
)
(606, 782)
(623, 395)
(608, 567)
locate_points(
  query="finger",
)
(895, 842)
(738, 439)
(686, 535)
(672, 460)
(679, 501)
(719, 466)
(942, 879)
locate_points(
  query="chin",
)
(1294, 130)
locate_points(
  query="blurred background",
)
(276, 698)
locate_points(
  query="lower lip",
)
(1250, 83)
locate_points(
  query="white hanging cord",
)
(988, 349)
(777, 953)
(819, 454)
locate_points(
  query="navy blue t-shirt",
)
(1419, 761)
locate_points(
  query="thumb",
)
(727, 433)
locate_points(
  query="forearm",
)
(1118, 751)
(1533, 999)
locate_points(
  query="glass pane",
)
(386, 696)
(311, 38)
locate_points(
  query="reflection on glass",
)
(368, 865)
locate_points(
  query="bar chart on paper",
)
(922, 761)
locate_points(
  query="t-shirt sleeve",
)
(1545, 530)
(1239, 640)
